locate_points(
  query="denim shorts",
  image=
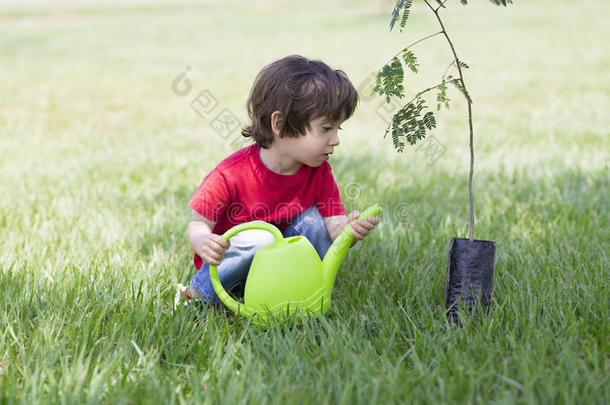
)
(234, 267)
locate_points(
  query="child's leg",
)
(310, 224)
(234, 266)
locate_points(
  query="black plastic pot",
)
(469, 277)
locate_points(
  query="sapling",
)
(470, 265)
(414, 120)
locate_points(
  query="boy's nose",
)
(334, 141)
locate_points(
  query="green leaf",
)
(429, 120)
(410, 60)
(501, 2)
(408, 124)
(389, 80)
(405, 15)
(404, 7)
(441, 96)
(458, 85)
(396, 13)
(464, 65)
(496, 2)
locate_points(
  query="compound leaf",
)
(410, 60)
(404, 7)
(408, 124)
(389, 80)
(458, 85)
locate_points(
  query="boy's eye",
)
(329, 128)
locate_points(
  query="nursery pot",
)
(469, 277)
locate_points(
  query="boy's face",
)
(315, 146)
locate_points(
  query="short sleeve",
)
(212, 197)
(329, 201)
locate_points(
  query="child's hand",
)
(361, 227)
(213, 249)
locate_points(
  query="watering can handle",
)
(232, 304)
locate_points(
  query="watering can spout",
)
(337, 251)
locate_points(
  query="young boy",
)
(296, 106)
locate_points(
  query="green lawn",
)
(99, 159)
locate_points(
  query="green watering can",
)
(288, 275)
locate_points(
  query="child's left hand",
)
(361, 227)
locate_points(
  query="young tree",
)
(414, 120)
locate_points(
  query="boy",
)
(296, 106)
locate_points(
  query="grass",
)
(99, 159)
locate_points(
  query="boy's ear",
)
(277, 122)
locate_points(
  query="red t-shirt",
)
(242, 189)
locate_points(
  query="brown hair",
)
(302, 90)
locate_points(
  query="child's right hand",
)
(213, 249)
